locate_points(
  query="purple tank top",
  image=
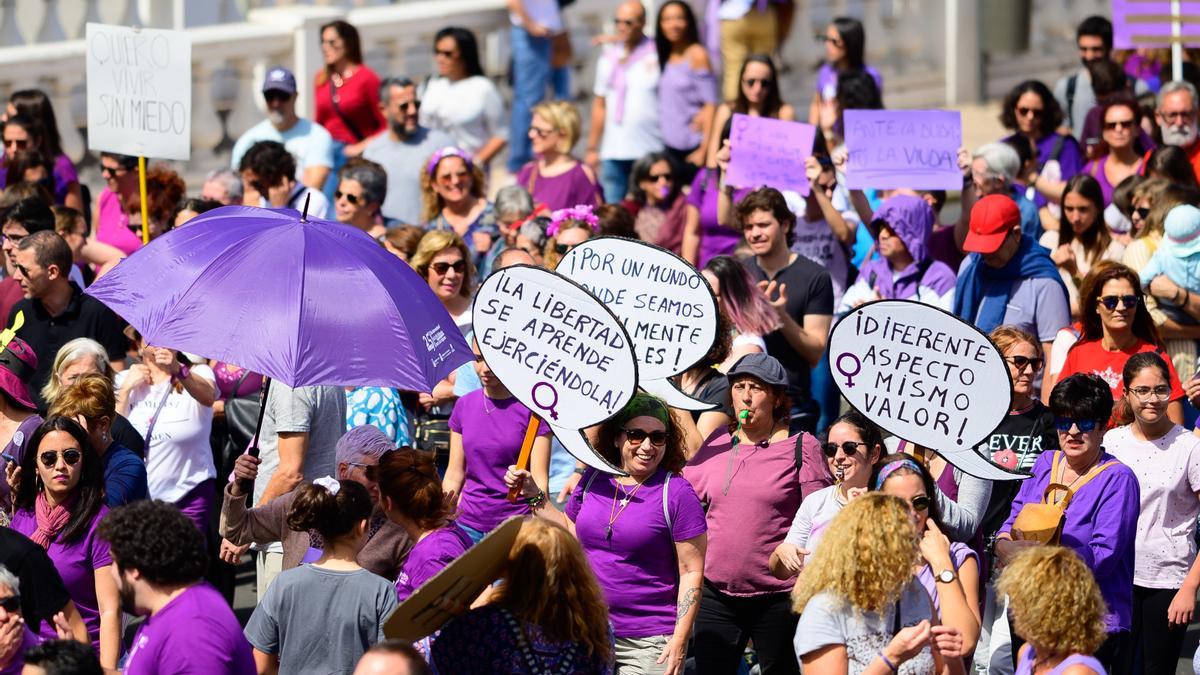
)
(1025, 666)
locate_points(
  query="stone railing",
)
(928, 50)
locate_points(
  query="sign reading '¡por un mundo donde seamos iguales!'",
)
(924, 375)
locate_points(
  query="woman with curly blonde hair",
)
(548, 615)
(1056, 607)
(861, 610)
(453, 200)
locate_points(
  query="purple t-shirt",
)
(959, 554)
(715, 239)
(77, 563)
(1100, 525)
(16, 665)
(194, 633)
(568, 189)
(682, 92)
(636, 567)
(428, 556)
(492, 431)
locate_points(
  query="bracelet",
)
(1175, 297)
(888, 662)
(536, 500)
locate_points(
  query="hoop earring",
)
(38, 483)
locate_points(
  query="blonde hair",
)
(91, 396)
(565, 119)
(76, 349)
(550, 251)
(434, 243)
(865, 557)
(1055, 602)
(1005, 337)
(431, 201)
(550, 585)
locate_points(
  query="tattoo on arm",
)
(690, 597)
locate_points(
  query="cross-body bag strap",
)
(241, 380)
(1096, 471)
(333, 97)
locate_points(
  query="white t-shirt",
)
(545, 12)
(637, 134)
(178, 455)
(1168, 472)
(813, 516)
(470, 110)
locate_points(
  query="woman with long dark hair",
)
(34, 104)
(845, 42)
(1118, 156)
(346, 93)
(1082, 239)
(59, 503)
(758, 96)
(687, 88)
(460, 100)
(1030, 109)
(657, 201)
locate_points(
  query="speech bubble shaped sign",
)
(558, 350)
(666, 306)
(924, 375)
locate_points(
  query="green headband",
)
(644, 405)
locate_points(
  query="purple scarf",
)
(618, 80)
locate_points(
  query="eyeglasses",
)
(19, 144)
(353, 199)
(659, 176)
(11, 604)
(1177, 117)
(368, 469)
(1162, 392)
(336, 42)
(848, 447)
(1021, 362)
(639, 435)
(448, 53)
(274, 96)
(50, 457)
(1118, 124)
(920, 503)
(755, 81)
(1142, 212)
(112, 170)
(1064, 424)
(1026, 112)
(459, 266)
(833, 41)
(1128, 301)
(540, 133)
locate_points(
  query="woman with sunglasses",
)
(1082, 239)
(949, 571)
(1117, 325)
(656, 201)
(346, 93)
(35, 105)
(1030, 109)
(845, 42)
(758, 96)
(644, 534)
(120, 173)
(687, 88)
(753, 476)
(58, 503)
(568, 228)
(486, 431)
(854, 446)
(445, 263)
(452, 186)
(555, 177)
(1100, 521)
(1166, 459)
(1119, 155)
(461, 100)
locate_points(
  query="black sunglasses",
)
(848, 447)
(1129, 301)
(275, 96)
(1118, 124)
(1064, 424)
(920, 503)
(338, 194)
(50, 458)
(639, 435)
(1143, 212)
(448, 53)
(11, 604)
(1020, 362)
(459, 266)
(1036, 112)
(563, 249)
(655, 177)
(751, 81)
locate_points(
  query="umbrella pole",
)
(247, 486)
(526, 451)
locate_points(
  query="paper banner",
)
(926, 376)
(915, 149)
(765, 151)
(668, 309)
(560, 351)
(1138, 23)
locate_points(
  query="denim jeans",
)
(531, 76)
(614, 178)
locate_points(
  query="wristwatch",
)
(184, 372)
(946, 576)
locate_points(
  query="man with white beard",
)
(306, 140)
(1176, 116)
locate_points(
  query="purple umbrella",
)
(307, 302)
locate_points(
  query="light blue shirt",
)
(308, 142)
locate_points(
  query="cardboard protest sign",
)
(667, 307)
(926, 376)
(558, 350)
(1138, 23)
(458, 584)
(915, 149)
(771, 152)
(139, 91)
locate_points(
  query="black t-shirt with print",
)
(1016, 444)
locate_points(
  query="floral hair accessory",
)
(329, 483)
(580, 212)
(448, 151)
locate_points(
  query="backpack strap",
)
(1072, 82)
(1096, 471)
(799, 452)
(588, 485)
(666, 508)
(1057, 148)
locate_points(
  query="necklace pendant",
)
(625, 502)
(608, 532)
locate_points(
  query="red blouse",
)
(358, 99)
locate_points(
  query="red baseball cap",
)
(991, 219)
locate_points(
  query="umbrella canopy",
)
(305, 302)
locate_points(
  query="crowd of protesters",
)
(780, 530)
